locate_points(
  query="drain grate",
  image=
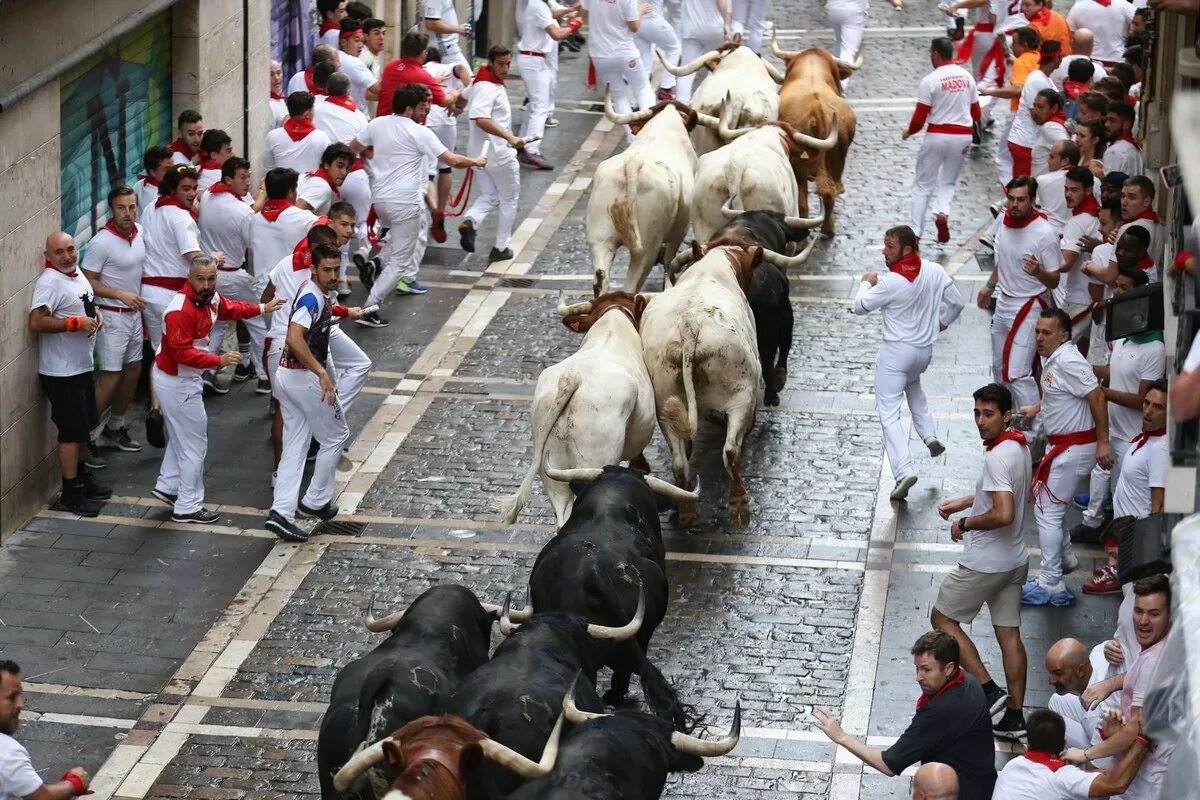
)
(515, 283)
(342, 528)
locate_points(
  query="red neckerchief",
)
(908, 267)
(190, 294)
(1127, 137)
(178, 146)
(1146, 264)
(115, 231)
(73, 274)
(345, 101)
(171, 201)
(300, 256)
(1104, 3)
(1011, 222)
(1007, 436)
(298, 127)
(1147, 214)
(273, 208)
(357, 165)
(327, 26)
(1089, 205)
(278, 96)
(950, 684)
(149, 181)
(208, 163)
(309, 84)
(1144, 437)
(1058, 117)
(1040, 17)
(323, 174)
(1048, 760)
(1074, 88)
(485, 75)
(221, 187)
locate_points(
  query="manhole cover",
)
(515, 283)
(336, 528)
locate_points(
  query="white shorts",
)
(447, 135)
(120, 339)
(274, 351)
(157, 299)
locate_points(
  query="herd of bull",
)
(428, 715)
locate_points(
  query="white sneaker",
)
(274, 477)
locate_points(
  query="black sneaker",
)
(243, 373)
(203, 517)
(119, 438)
(372, 320)
(1086, 534)
(156, 433)
(995, 698)
(74, 502)
(279, 526)
(211, 386)
(264, 386)
(93, 490)
(92, 458)
(166, 498)
(325, 512)
(500, 255)
(366, 270)
(1011, 726)
(466, 235)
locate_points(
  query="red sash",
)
(1012, 336)
(1059, 443)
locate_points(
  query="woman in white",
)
(613, 52)
(703, 25)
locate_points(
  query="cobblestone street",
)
(192, 661)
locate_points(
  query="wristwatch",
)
(962, 524)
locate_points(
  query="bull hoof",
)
(613, 698)
(686, 518)
(639, 462)
(770, 399)
(827, 233)
(739, 511)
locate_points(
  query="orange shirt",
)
(1024, 64)
(1054, 30)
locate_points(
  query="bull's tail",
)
(624, 210)
(568, 383)
(681, 415)
(662, 698)
(733, 182)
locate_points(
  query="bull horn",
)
(571, 711)
(518, 763)
(623, 119)
(827, 143)
(507, 626)
(804, 223)
(585, 307)
(728, 211)
(690, 67)
(626, 631)
(787, 262)
(358, 764)
(383, 624)
(680, 261)
(568, 475)
(723, 127)
(707, 120)
(711, 748)
(659, 486)
(852, 66)
(774, 72)
(525, 613)
(786, 55)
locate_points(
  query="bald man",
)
(303, 81)
(1081, 47)
(935, 781)
(278, 101)
(1071, 669)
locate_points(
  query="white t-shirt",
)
(278, 108)
(1024, 129)
(444, 75)
(700, 19)
(1048, 134)
(1147, 784)
(1192, 362)
(444, 11)
(1025, 779)
(287, 282)
(1051, 198)
(1066, 379)
(1122, 156)
(117, 261)
(911, 309)
(302, 156)
(337, 122)
(533, 32)
(1059, 75)
(360, 75)
(18, 778)
(608, 30)
(1129, 365)
(317, 192)
(272, 241)
(489, 100)
(225, 226)
(1006, 468)
(1073, 284)
(147, 196)
(1141, 470)
(1037, 238)
(1157, 236)
(1107, 23)
(63, 354)
(398, 169)
(949, 91)
(170, 232)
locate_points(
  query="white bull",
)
(741, 74)
(640, 197)
(594, 408)
(700, 345)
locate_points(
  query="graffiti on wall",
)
(291, 35)
(113, 107)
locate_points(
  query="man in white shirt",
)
(948, 100)
(441, 20)
(331, 14)
(540, 35)
(611, 29)
(278, 101)
(364, 85)
(402, 148)
(1027, 265)
(1051, 194)
(654, 30)
(113, 264)
(704, 25)
(1142, 484)
(1071, 669)
(1075, 418)
(275, 230)
(215, 146)
(18, 778)
(318, 189)
(1074, 293)
(1095, 268)
(1023, 136)
(1137, 209)
(910, 294)
(1124, 153)
(1109, 23)
(297, 144)
(1081, 48)
(186, 147)
(155, 163)
(172, 241)
(304, 80)
(336, 114)
(374, 37)
(63, 314)
(499, 183)
(1047, 113)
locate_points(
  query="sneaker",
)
(552, 123)
(211, 386)
(166, 498)
(264, 386)
(942, 221)
(1082, 500)
(279, 526)
(92, 458)
(325, 512)
(1105, 582)
(156, 433)
(996, 208)
(665, 95)
(1070, 563)
(437, 229)
(94, 490)
(500, 255)
(119, 438)
(900, 491)
(1011, 726)
(242, 373)
(466, 235)
(987, 241)
(960, 29)
(995, 698)
(410, 286)
(534, 160)
(936, 448)
(75, 503)
(366, 269)
(314, 447)
(372, 320)
(201, 517)
(1085, 534)
(343, 290)
(1034, 594)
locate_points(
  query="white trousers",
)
(898, 376)
(938, 164)
(655, 30)
(1050, 507)
(356, 190)
(1013, 350)
(350, 364)
(693, 48)
(182, 472)
(1004, 162)
(408, 230)
(498, 188)
(750, 20)
(157, 299)
(241, 285)
(306, 416)
(625, 75)
(539, 77)
(848, 23)
(552, 60)
(1102, 481)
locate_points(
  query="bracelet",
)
(1085, 755)
(991, 284)
(75, 781)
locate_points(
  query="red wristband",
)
(1181, 259)
(73, 323)
(71, 777)
(575, 24)
(339, 310)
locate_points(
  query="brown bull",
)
(811, 101)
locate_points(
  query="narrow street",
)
(183, 661)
